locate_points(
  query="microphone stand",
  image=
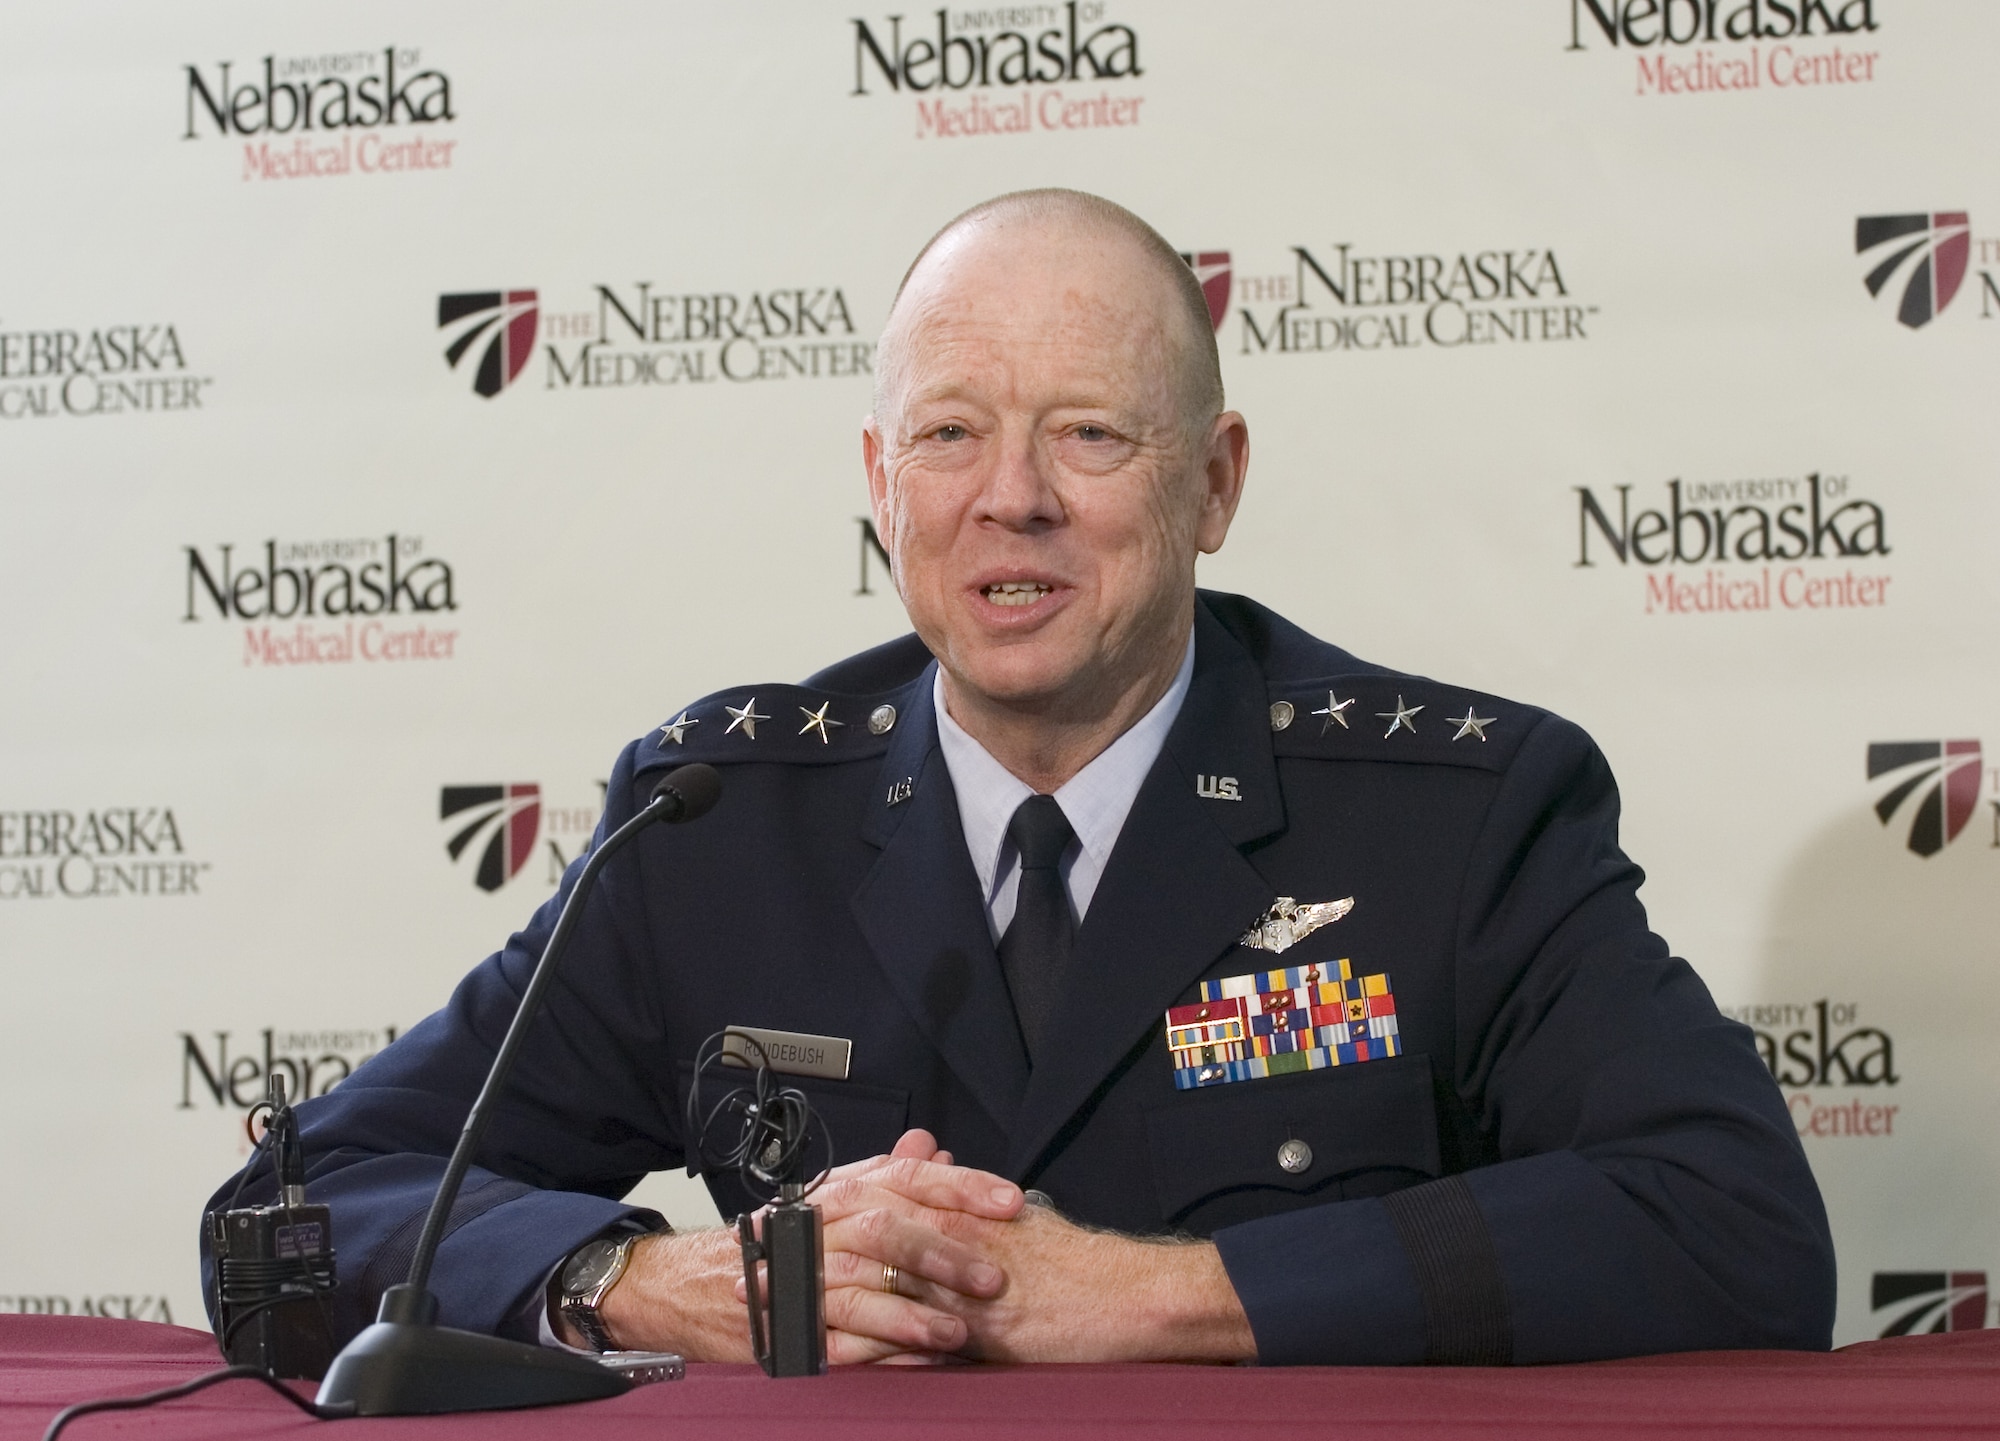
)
(405, 1364)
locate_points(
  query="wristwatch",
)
(587, 1278)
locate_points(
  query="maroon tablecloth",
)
(1928, 1386)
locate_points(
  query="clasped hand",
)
(978, 1274)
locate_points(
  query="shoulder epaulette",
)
(776, 723)
(1372, 716)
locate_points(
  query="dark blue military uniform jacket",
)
(1573, 1156)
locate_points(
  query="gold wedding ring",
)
(889, 1275)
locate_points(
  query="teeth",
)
(1016, 592)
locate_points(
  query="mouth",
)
(1018, 601)
(1016, 592)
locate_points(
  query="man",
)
(1314, 1000)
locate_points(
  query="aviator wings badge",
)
(1287, 923)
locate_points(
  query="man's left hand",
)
(1075, 1294)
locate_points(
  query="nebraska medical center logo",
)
(1746, 546)
(1930, 790)
(505, 320)
(339, 600)
(1918, 262)
(124, 369)
(1926, 253)
(103, 854)
(221, 1071)
(130, 1306)
(1004, 70)
(1339, 297)
(638, 336)
(1705, 47)
(501, 824)
(1815, 1047)
(506, 818)
(1929, 1303)
(343, 113)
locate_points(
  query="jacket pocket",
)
(1232, 1153)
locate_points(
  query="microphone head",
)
(690, 792)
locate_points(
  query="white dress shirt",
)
(1096, 800)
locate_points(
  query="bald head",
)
(1047, 457)
(1070, 217)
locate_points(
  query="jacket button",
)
(880, 719)
(1295, 1156)
(1040, 1198)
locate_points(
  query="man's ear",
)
(1225, 460)
(878, 481)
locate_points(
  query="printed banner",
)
(399, 411)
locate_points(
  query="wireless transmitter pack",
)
(274, 1264)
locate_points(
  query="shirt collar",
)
(1096, 799)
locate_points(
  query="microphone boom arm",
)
(406, 1364)
(665, 805)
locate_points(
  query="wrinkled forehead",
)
(1037, 308)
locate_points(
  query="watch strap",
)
(582, 1310)
(583, 1315)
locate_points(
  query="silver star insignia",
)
(747, 718)
(1287, 923)
(1333, 711)
(1470, 724)
(819, 720)
(1403, 716)
(675, 730)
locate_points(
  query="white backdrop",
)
(253, 356)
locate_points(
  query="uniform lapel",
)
(922, 914)
(1176, 894)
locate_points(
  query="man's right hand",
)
(684, 1293)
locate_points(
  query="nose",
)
(1020, 492)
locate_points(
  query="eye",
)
(949, 432)
(1092, 432)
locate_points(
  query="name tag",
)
(790, 1053)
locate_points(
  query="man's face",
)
(1032, 476)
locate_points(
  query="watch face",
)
(588, 1267)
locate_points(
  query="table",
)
(1927, 1386)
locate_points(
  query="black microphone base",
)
(399, 1368)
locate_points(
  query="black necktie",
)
(1035, 948)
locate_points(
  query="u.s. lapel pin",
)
(902, 790)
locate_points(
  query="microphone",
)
(405, 1364)
(689, 793)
